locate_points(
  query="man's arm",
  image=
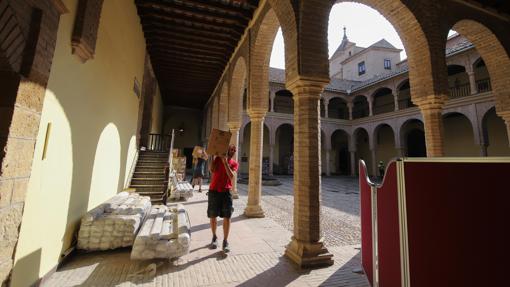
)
(230, 173)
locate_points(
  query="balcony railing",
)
(483, 85)
(460, 91)
(158, 142)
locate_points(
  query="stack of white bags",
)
(114, 223)
(180, 189)
(164, 234)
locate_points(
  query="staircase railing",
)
(158, 142)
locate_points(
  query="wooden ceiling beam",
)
(184, 36)
(186, 21)
(163, 47)
(169, 60)
(186, 54)
(156, 26)
(211, 6)
(209, 15)
(165, 40)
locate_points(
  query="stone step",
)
(145, 182)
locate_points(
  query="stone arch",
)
(237, 85)
(403, 91)
(384, 143)
(496, 59)
(215, 113)
(383, 101)
(223, 107)
(425, 77)
(337, 108)
(360, 107)
(284, 148)
(284, 102)
(260, 54)
(459, 135)
(458, 81)
(412, 138)
(340, 155)
(494, 134)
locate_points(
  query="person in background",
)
(199, 170)
(223, 169)
(380, 166)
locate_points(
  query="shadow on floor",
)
(220, 223)
(344, 275)
(282, 274)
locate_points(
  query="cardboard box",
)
(218, 142)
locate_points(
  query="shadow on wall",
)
(30, 264)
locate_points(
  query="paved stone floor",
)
(257, 245)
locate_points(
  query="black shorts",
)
(219, 204)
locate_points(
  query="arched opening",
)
(458, 82)
(384, 144)
(360, 108)
(223, 108)
(237, 87)
(245, 99)
(340, 156)
(284, 149)
(413, 138)
(495, 58)
(458, 136)
(337, 109)
(384, 102)
(283, 102)
(495, 134)
(245, 150)
(363, 147)
(404, 96)
(482, 77)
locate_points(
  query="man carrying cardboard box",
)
(223, 171)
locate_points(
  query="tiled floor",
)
(257, 246)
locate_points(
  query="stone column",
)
(353, 162)
(401, 151)
(433, 124)
(326, 107)
(350, 106)
(370, 106)
(472, 82)
(328, 168)
(234, 129)
(306, 248)
(483, 149)
(271, 159)
(253, 208)
(506, 117)
(374, 161)
(272, 97)
(396, 100)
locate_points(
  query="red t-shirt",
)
(220, 181)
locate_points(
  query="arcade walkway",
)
(257, 245)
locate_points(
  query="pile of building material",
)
(114, 223)
(164, 234)
(179, 189)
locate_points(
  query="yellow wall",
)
(93, 112)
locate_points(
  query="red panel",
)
(388, 230)
(458, 223)
(366, 222)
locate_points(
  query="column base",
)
(308, 255)
(254, 211)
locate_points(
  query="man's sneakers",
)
(226, 247)
(214, 242)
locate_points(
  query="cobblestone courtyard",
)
(258, 245)
(340, 223)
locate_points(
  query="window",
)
(387, 64)
(361, 68)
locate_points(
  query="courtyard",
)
(257, 245)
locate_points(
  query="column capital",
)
(312, 87)
(435, 102)
(234, 125)
(256, 114)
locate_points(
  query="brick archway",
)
(237, 85)
(496, 59)
(223, 107)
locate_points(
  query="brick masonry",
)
(27, 41)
